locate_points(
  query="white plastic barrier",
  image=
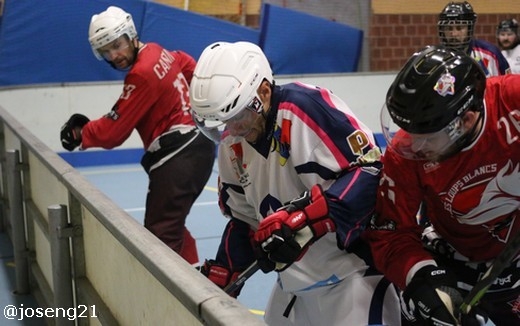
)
(44, 108)
(79, 250)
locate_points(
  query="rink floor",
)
(127, 184)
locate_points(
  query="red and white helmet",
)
(108, 26)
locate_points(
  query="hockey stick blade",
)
(499, 264)
(242, 278)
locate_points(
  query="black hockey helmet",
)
(508, 25)
(422, 117)
(456, 13)
(435, 86)
(505, 29)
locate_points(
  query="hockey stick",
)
(244, 276)
(499, 264)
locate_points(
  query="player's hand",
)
(70, 133)
(284, 236)
(220, 275)
(432, 296)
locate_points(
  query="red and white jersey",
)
(473, 198)
(155, 98)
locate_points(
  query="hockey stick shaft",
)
(242, 278)
(499, 264)
(302, 237)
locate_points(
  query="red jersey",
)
(155, 98)
(473, 198)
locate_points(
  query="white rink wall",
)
(44, 108)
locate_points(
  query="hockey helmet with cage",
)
(456, 14)
(225, 83)
(508, 25)
(108, 26)
(429, 96)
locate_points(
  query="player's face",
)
(456, 33)
(429, 146)
(248, 122)
(119, 52)
(242, 123)
(506, 39)
(440, 145)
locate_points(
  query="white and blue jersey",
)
(489, 57)
(312, 137)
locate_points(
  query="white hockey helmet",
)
(226, 79)
(225, 82)
(108, 26)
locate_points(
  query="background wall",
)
(43, 109)
(47, 42)
(393, 29)
(57, 49)
(398, 28)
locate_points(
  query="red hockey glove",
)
(70, 133)
(220, 275)
(285, 235)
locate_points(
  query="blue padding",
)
(102, 157)
(298, 43)
(47, 41)
(105, 157)
(380, 140)
(178, 29)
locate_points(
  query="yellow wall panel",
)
(435, 6)
(212, 7)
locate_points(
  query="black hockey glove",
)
(284, 236)
(221, 275)
(476, 317)
(69, 134)
(432, 296)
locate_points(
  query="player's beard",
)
(254, 134)
(506, 45)
(122, 64)
(257, 129)
(126, 62)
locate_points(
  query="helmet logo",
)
(445, 85)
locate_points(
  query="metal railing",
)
(86, 259)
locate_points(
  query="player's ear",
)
(469, 118)
(264, 91)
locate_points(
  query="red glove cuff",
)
(220, 275)
(318, 213)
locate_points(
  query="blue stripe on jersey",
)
(313, 167)
(375, 314)
(224, 197)
(333, 279)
